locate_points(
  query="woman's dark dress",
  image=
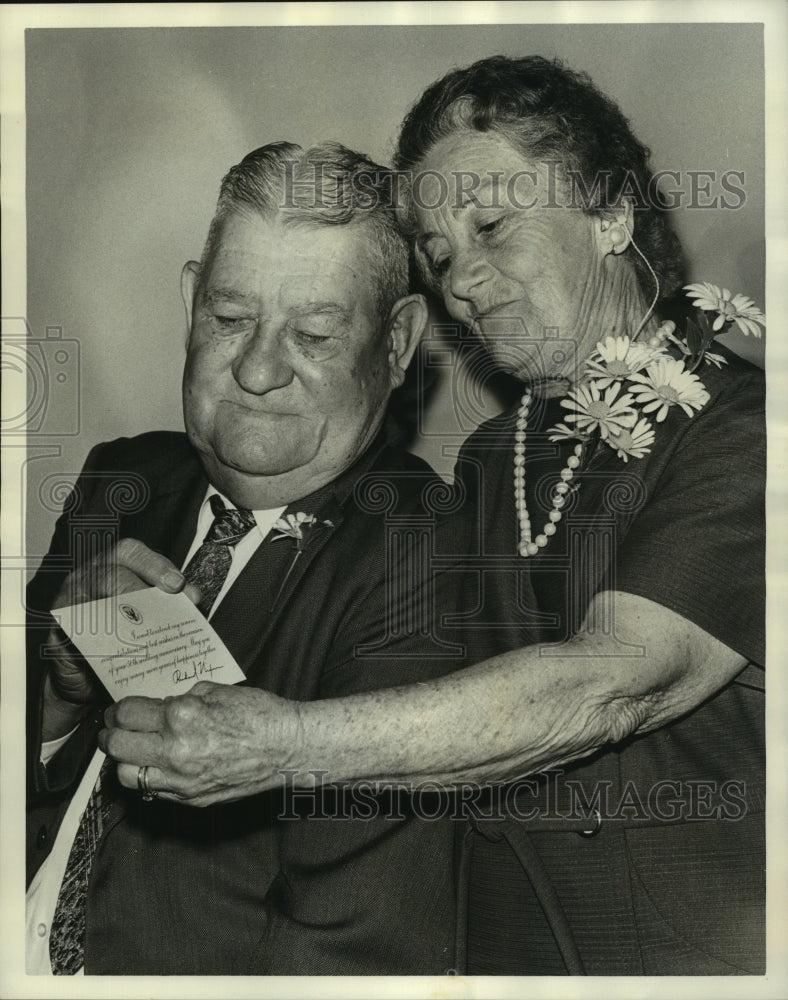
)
(672, 882)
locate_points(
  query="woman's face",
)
(509, 256)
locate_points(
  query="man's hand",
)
(218, 743)
(70, 684)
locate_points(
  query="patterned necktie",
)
(207, 569)
(210, 564)
(67, 935)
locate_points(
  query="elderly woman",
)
(616, 597)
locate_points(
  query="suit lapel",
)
(168, 522)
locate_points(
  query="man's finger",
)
(128, 747)
(128, 776)
(152, 567)
(144, 715)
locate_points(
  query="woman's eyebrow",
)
(424, 238)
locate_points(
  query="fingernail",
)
(173, 579)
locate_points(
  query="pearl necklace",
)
(527, 545)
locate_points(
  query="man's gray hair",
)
(325, 185)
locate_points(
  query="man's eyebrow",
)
(325, 307)
(213, 295)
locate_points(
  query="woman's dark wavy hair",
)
(547, 111)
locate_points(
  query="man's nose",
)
(262, 364)
(469, 270)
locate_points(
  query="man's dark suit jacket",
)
(179, 890)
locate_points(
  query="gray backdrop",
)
(130, 130)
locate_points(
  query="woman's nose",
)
(262, 363)
(468, 272)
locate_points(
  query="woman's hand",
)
(218, 743)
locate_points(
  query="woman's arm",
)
(516, 714)
(529, 709)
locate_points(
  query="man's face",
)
(287, 371)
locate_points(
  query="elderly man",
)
(300, 326)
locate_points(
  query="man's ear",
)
(190, 275)
(615, 228)
(407, 320)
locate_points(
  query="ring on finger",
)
(148, 793)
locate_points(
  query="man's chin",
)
(268, 466)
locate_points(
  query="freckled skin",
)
(535, 268)
(287, 372)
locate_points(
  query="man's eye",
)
(313, 339)
(230, 324)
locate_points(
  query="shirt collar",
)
(264, 519)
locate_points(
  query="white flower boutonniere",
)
(300, 528)
(297, 526)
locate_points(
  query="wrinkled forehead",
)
(482, 170)
(283, 239)
(271, 258)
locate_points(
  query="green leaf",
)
(694, 339)
(707, 334)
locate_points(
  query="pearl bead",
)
(526, 545)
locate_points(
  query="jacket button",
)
(41, 837)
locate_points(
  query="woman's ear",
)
(615, 228)
(407, 320)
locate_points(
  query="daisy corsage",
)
(626, 383)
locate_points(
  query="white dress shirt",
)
(42, 895)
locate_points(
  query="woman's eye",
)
(490, 227)
(440, 267)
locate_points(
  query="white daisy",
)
(616, 358)
(714, 359)
(708, 356)
(291, 524)
(592, 411)
(666, 383)
(634, 443)
(729, 308)
(563, 433)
